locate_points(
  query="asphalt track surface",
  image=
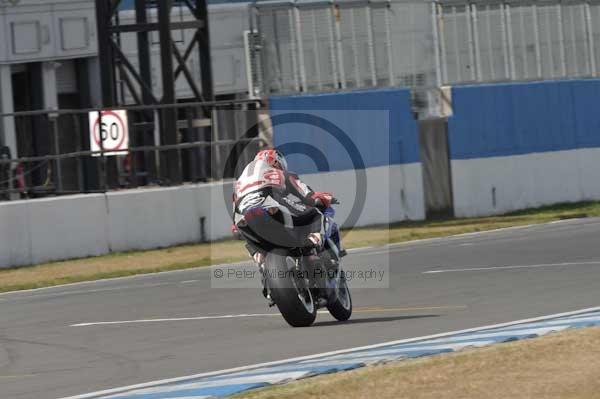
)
(434, 286)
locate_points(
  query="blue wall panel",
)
(521, 118)
(378, 123)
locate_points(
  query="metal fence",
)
(487, 42)
(54, 155)
(323, 46)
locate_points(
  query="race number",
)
(274, 178)
(109, 133)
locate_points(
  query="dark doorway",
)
(32, 131)
(72, 128)
(36, 133)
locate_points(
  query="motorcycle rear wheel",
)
(289, 292)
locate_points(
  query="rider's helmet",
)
(273, 157)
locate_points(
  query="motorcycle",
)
(299, 281)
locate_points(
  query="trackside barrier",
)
(51, 229)
(511, 146)
(522, 145)
(329, 137)
(378, 123)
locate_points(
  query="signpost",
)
(109, 133)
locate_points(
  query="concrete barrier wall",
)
(516, 146)
(378, 124)
(153, 218)
(512, 146)
(44, 230)
(15, 238)
(63, 229)
(52, 229)
(327, 137)
(393, 194)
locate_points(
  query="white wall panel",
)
(44, 230)
(524, 181)
(68, 227)
(215, 207)
(393, 193)
(47, 30)
(15, 239)
(152, 218)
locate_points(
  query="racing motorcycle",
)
(301, 280)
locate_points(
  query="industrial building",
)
(57, 56)
(50, 60)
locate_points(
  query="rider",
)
(266, 181)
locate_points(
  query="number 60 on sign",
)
(109, 133)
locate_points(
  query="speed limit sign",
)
(109, 133)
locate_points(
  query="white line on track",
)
(124, 278)
(456, 237)
(227, 316)
(320, 355)
(375, 309)
(492, 268)
(95, 291)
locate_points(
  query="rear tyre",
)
(341, 307)
(290, 293)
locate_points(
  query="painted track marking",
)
(492, 268)
(249, 315)
(17, 376)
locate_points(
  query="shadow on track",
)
(372, 320)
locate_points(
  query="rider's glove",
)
(322, 199)
(314, 240)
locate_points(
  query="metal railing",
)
(335, 45)
(54, 155)
(501, 41)
(325, 46)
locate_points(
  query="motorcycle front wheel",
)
(289, 291)
(341, 306)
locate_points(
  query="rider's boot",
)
(266, 293)
(270, 300)
(259, 258)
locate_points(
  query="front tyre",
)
(290, 292)
(341, 307)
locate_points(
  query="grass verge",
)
(563, 365)
(189, 256)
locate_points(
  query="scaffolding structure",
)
(173, 63)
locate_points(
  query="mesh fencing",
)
(325, 46)
(278, 51)
(488, 42)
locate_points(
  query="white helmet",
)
(273, 157)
